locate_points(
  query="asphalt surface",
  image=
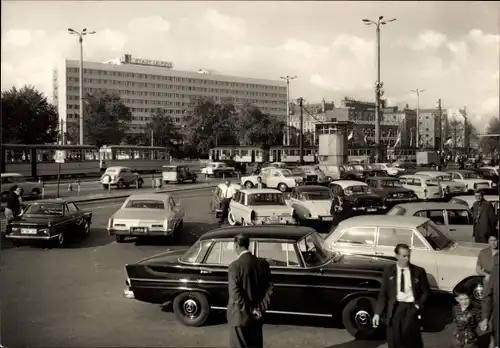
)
(72, 296)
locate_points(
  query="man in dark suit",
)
(341, 209)
(260, 184)
(490, 304)
(402, 296)
(485, 218)
(250, 291)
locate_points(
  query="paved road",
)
(72, 297)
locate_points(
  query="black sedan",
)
(391, 191)
(194, 282)
(49, 220)
(359, 195)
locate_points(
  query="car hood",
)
(362, 263)
(143, 214)
(35, 219)
(170, 256)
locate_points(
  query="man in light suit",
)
(250, 290)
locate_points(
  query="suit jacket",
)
(13, 203)
(388, 292)
(485, 219)
(263, 185)
(249, 286)
(490, 300)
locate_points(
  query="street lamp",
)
(417, 137)
(378, 84)
(287, 78)
(80, 40)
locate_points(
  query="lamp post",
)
(417, 135)
(378, 85)
(287, 79)
(80, 40)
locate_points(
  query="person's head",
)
(478, 195)
(403, 254)
(13, 188)
(462, 296)
(259, 179)
(228, 182)
(493, 240)
(18, 191)
(241, 243)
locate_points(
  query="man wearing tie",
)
(402, 295)
(260, 184)
(228, 191)
(250, 290)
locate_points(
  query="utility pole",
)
(152, 138)
(463, 112)
(287, 79)
(378, 84)
(440, 113)
(418, 91)
(301, 134)
(80, 40)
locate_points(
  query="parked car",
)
(373, 170)
(179, 174)
(469, 200)
(488, 173)
(314, 174)
(281, 179)
(359, 195)
(426, 188)
(308, 279)
(332, 172)
(258, 207)
(238, 167)
(29, 189)
(147, 215)
(351, 173)
(309, 175)
(454, 219)
(217, 196)
(121, 177)
(218, 169)
(389, 168)
(448, 186)
(390, 190)
(471, 180)
(448, 264)
(311, 203)
(50, 221)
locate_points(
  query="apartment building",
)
(430, 130)
(146, 85)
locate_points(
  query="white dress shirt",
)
(229, 191)
(407, 295)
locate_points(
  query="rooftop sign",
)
(147, 62)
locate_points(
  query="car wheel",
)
(248, 184)
(119, 239)
(231, 219)
(282, 187)
(35, 193)
(4, 196)
(329, 179)
(140, 182)
(17, 243)
(120, 184)
(105, 186)
(191, 308)
(475, 288)
(357, 317)
(180, 181)
(59, 241)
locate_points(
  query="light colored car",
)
(121, 177)
(448, 186)
(281, 165)
(311, 203)
(389, 168)
(490, 169)
(448, 264)
(454, 219)
(471, 179)
(332, 172)
(218, 169)
(146, 215)
(30, 189)
(426, 188)
(177, 173)
(281, 179)
(218, 194)
(469, 201)
(314, 171)
(258, 207)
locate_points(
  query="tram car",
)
(143, 159)
(239, 154)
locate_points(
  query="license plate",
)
(139, 229)
(482, 185)
(327, 218)
(29, 231)
(371, 210)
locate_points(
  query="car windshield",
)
(317, 195)
(169, 169)
(397, 210)
(432, 182)
(437, 239)
(111, 171)
(356, 190)
(358, 167)
(145, 204)
(444, 177)
(390, 183)
(44, 209)
(471, 176)
(286, 172)
(266, 199)
(314, 251)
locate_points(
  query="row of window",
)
(175, 79)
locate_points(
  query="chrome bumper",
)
(113, 232)
(17, 236)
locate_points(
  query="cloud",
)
(22, 37)
(233, 26)
(153, 23)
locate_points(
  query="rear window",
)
(112, 171)
(397, 211)
(145, 204)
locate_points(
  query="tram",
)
(143, 159)
(38, 160)
(291, 154)
(240, 154)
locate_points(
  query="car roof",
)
(414, 207)
(462, 171)
(384, 220)
(222, 184)
(262, 190)
(10, 174)
(258, 232)
(431, 172)
(347, 183)
(150, 196)
(382, 178)
(311, 188)
(55, 200)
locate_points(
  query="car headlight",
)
(44, 231)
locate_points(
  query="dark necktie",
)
(402, 282)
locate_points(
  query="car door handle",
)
(205, 271)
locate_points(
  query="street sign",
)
(60, 156)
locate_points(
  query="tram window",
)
(121, 154)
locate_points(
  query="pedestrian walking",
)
(485, 218)
(228, 191)
(250, 290)
(490, 305)
(402, 296)
(260, 184)
(466, 317)
(485, 259)
(341, 209)
(13, 205)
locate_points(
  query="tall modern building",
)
(429, 128)
(146, 85)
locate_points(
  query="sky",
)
(449, 49)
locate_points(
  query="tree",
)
(256, 128)
(461, 131)
(140, 139)
(164, 131)
(27, 117)
(105, 119)
(490, 145)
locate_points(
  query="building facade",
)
(430, 129)
(146, 85)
